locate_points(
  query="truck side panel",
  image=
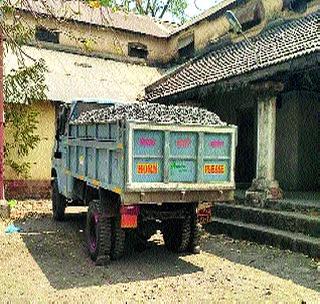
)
(95, 155)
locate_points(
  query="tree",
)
(22, 86)
(153, 8)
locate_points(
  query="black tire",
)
(98, 233)
(176, 234)
(118, 240)
(58, 203)
(194, 244)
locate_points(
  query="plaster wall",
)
(287, 142)
(309, 141)
(40, 157)
(102, 39)
(298, 142)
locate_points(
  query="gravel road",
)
(47, 263)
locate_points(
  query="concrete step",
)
(266, 235)
(305, 206)
(282, 220)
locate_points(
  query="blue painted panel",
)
(73, 162)
(183, 144)
(103, 165)
(148, 143)
(182, 171)
(103, 131)
(217, 145)
(113, 130)
(91, 162)
(81, 160)
(147, 170)
(115, 173)
(216, 170)
(91, 131)
(73, 131)
(82, 131)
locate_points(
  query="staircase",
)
(286, 224)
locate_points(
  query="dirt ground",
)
(47, 263)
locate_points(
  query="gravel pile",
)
(151, 112)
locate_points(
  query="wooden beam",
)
(268, 86)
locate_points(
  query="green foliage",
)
(178, 8)
(27, 84)
(12, 203)
(154, 8)
(22, 87)
(23, 122)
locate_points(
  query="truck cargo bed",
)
(133, 158)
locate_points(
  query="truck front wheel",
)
(58, 202)
(98, 233)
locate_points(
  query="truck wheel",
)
(194, 245)
(58, 202)
(176, 234)
(98, 233)
(118, 240)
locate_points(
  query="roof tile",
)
(290, 40)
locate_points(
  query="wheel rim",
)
(93, 235)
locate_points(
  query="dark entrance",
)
(246, 152)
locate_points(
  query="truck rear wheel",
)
(118, 240)
(176, 234)
(58, 202)
(98, 233)
(194, 245)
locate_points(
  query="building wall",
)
(287, 143)
(38, 183)
(298, 143)
(104, 40)
(309, 141)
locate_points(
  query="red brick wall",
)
(27, 189)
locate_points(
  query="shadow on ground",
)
(284, 264)
(59, 250)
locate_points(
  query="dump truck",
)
(138, 177)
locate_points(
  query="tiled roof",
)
(73, 76)
(80, 12)
(275, 45)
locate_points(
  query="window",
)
(43, 34)
(138, 50)
(186, 46)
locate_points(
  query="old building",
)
(252, 82)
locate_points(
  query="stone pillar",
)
(264, 186)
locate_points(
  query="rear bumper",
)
(130, 198)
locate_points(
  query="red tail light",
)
(129, 216)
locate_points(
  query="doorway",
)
(246, 155)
